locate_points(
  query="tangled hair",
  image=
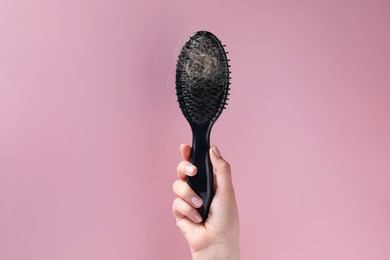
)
(203, 59)
(203, 66)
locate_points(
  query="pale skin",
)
(218, 236)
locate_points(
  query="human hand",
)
(218, 236)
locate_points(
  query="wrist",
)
(217, 252)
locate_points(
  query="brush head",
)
(202, 78)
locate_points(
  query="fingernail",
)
(197, 201)
(216, 151)
(198, 218)
(189, 168)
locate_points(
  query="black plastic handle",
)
(203, 182)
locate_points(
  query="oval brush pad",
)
(202, 86)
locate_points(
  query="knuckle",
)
(225, 165)
(174, 185)
(173, 207)
(178, 167)
(183, 189)
(175, 204)
(180, 188)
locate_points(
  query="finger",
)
(185, 169)
(185, 150)
(182, 209)
(223, 177)
(184, 191)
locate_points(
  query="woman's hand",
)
(218, 236)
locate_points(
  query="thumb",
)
(223, 176)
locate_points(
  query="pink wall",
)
(90, 127)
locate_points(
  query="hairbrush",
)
(202, 89)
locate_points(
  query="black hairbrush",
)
(202, 86)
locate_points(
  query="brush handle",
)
(203, 181)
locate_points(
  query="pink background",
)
(90, 127)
